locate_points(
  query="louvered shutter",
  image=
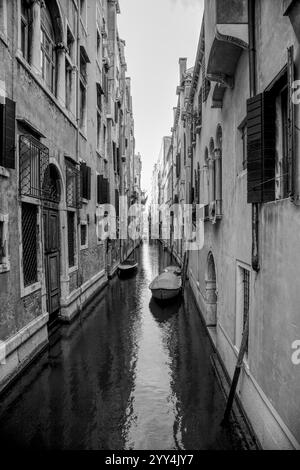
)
(98, 189)
(8, 134)
(178, 165)
(291, 120)
(261, 148)
(89, 182)
(82, 179)
(2, 133)
(117, 202)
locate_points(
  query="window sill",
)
(4, 267)
(26, 291)
(84, 247)
(84, 201)
(73, 269)
(4, 172)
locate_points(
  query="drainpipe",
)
(253, 92)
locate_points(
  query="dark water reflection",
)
(127, 374)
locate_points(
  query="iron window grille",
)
(29, 242)
(34, 168)
(72, 185)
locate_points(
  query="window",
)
(102, 190)
(72, 184)
(99, 47)
(85, 181)
(83, 235)
(83, 12)
(270, 139)
(71, 45)
(281, 155)
(83, 110)
(68, 85)
(98, 130)
(4, 259)
(71, 239)
(48, 56)
(29, 243)
(34, 160)
(242, 302)
(25, 27)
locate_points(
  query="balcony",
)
(226, 36)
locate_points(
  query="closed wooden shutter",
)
(2, 133)
(88, 182)
(117, 202)
(178, 165)
(99, 189)
(261, 148)
(85, 181)
(8, 134)
(291, 121)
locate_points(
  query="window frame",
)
(5, 259)
(83, 223)
(45, 55)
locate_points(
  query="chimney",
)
(182, 67)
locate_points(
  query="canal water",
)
(127, 374)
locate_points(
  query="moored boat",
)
(128, 267)
(167, 285)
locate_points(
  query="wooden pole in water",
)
(237, 372)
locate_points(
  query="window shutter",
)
(178, 165)
(8, 134)
(291, 120)
(88, 183)
(261, 148)
(2, 133)
(99, 189)
(82, 179)
(117, 202)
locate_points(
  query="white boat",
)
(167, 285)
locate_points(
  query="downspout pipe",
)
(253, 92)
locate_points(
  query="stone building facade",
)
(238, 115)
(66, 141)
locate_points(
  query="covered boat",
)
(167, 285)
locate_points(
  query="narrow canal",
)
(126, 374)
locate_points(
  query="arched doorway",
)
(211, 292)
(52, 246)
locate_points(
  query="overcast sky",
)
(157, 33)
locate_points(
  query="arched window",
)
(48, 55)
(219, 137)
(211, 147)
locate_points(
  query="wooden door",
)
(52, 259)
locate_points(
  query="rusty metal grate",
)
(34, 162)
(29, 241)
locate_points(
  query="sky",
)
(157, 33)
